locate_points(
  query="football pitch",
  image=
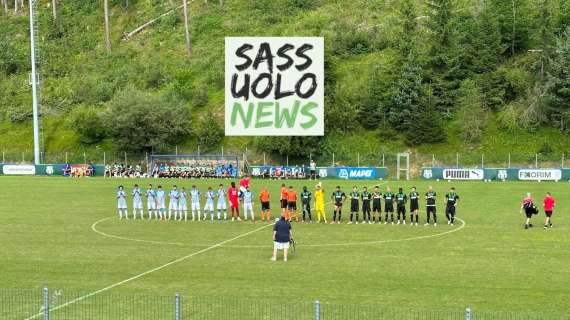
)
(65, 234)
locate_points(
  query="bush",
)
(88, 124)
(209, 132)
(140, 121)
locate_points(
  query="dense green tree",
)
(139, 121)
(406, 99)
(88, 124)
(558, 80)
(408, 15)
(209, 132)
(471, 116)
(370, 113)
(427, 127)
(513, 20)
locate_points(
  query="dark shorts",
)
(365, 206)
(313, 172)
(376, 207)
(283, 203)
(402, 209)
(548, 213)
(414, 207)
(338, 204)
(354, 206)
(265, 205)
(450, 210)
(431, 209)
(388, 208)
(292, 206)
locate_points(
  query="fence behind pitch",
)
(62, 304)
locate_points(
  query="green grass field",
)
(489, 263)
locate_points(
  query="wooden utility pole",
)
(514, 28)
(107, 32)
(186, 28)
(54, 10)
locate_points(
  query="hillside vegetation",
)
(431, 76)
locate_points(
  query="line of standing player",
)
(177, 209)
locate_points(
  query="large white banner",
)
(540, 174)
(19, 169)
(463, 174)
(274, 86)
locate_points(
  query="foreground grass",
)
(490, 264)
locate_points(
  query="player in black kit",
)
(354, 198)
(414, 206)
(389, 205)
(366, 196)
(401, 199)
(376, 204)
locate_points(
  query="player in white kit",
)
(122, 203)
(248, 203)
(161, 203)
(195, 198)
(137, 202)
(182, 207)
(222, 204)
(151, 202)
(173, 204)
(209, 207)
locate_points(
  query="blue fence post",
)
(317, 310)
(468, 313)
(46, 304)
(177, 307)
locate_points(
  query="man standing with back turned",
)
(282, 234)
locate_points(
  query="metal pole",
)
(287, 160)
(509, 161)
(177, 307)
(562, 165)
(457, 160)
(264, 158)
(46, 304)
(34, 83)
(66, 157)
(104, 158)
(84, 158)
(383, 161)
(125, 158)
(310, 157)
(468, 313)
(176, 152)
(222, 151)
(146, 162)
(482, 161)
(332, 160)
(433, 160)
(358, 159)
(536, 160)
(317, 310)
(23, 156)
(3, 157)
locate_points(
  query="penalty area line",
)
(140, 275)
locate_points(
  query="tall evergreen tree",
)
(558, 80)
(406, 98)
(443, 56)
(408, 16)
(513, 19)
(427, 126)
(370, 113)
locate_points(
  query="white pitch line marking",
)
(149, 272)
(463, 224)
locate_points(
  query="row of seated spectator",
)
(282, 172)
(195, 169)
(120, 170)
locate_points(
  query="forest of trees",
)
(429, 66)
